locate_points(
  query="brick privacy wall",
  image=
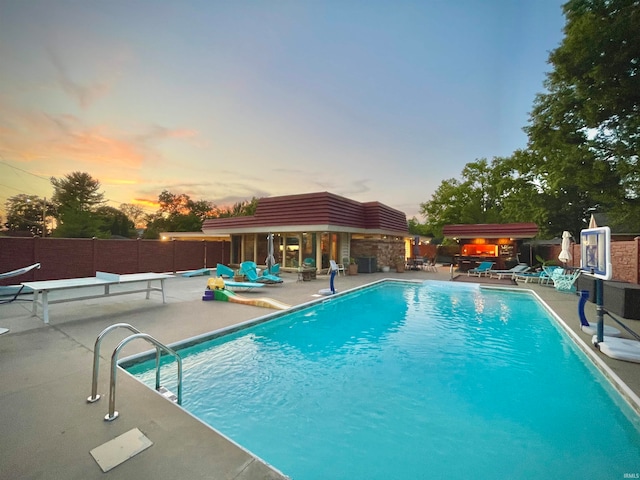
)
(625, 259)
(386, 251)
(82, 257)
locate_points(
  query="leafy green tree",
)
(114, 222)
(25, 214)
(77, 191)
(177, 213)
(238, 209)
(76, 196)
(474, 199)
(78, 224)
(417, 228)
(584, 132)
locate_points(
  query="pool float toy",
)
(216, 290)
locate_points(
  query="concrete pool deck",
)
(48, 428)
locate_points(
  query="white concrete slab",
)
(111, 454)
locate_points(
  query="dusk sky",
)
(227, 100)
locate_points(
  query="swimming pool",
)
(406, 380)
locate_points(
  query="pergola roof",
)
(491, 230)
(321, 211)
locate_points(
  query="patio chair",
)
(250, 270)
(224, 271)
(564, 282)
(430, 266)
(481, 269)
(543, 277)
(10, 293)
(274, 270)
(509, 273)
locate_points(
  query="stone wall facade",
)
(386, 251)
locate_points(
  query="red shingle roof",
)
(314, 211)
(491, 230)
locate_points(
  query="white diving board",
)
(102, 279)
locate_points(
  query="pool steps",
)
(160, 347)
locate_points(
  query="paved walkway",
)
(48, 428)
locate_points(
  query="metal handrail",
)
(112, 415)
(96, 357)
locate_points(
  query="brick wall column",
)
(637, 259)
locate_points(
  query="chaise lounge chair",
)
(250, 270)
(509, 273)
(542, 277)
(10, 293)
(225, 272)
(481, 269)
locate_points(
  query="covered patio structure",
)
(495, 242)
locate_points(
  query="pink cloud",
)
(30, 136)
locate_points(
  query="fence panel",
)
(116, 256)
(217, 252)
(156, 256)
(64, 258)
(82, 257)
(16, 253)
(189, 255)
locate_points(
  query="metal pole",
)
(600, 309)
(44, 218)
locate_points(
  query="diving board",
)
(102, 279)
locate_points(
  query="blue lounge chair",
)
(564, 281)
(481, 269)
(542, 277)
(225, 272)
(250, 270)
(274, 270)
(508, 273)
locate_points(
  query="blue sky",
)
(226, 100)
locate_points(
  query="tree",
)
(133, 212)
(177, 213)
(238, 209)
(114, 222)
(77, 191)
(585, 131)
(417, 228)
(475, 199)
(78, 224)
(76, 197)
(27, 213)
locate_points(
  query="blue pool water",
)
(412, 381)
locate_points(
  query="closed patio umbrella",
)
(565, 253)
(270, 261)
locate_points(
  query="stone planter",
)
(353, 269)
(400, 267)
(385, 269)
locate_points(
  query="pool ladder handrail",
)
(94, 397)
(112, 415)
